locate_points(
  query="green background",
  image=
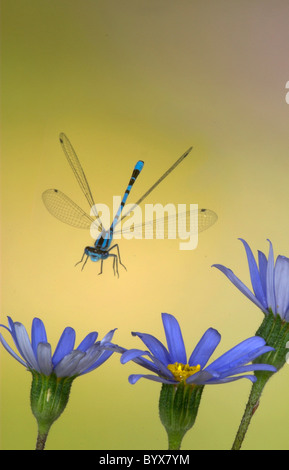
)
(129, 80)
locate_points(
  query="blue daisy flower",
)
(66, 361)
(171, 366)
(270, 281)
(270, 284)
(53, 374)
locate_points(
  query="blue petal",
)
(201, 378)
(214, 381)
(161, 369)
(108, 337)
(25, 351)
(131, 354)
(105, 355)
(249, 368)
(38, 334)
(135, 377)
(25, 346)
(282, 285)
(138, 359)
(156, 365)
(174, 338)
(155, 346)
(65, 345)
(205, 348)
(260, 351)
(103, 358)
(114, 348)
(94, 357)
(44, 358)
(88, 341)
(262, 261)
(240, 285)
(270, 282)
(240, 354)
(68, 365)
(13, 334)
(10, 350)
(254, 273)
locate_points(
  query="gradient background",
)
(129, 80)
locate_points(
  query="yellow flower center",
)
(182, 371)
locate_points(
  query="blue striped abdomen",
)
(136, 171)
(104, 240)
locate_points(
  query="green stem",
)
(175, 440)
(250, 409)
(41, 441)
(275, 331)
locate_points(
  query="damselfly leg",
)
(82, 260)
(118, 255)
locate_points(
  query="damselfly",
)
(64, 209)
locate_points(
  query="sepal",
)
(178, 408)
(275, 332)
(49, 396)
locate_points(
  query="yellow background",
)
(129, 80)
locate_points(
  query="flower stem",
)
(251, 407)
(41, 441)
(275, 331)
(175, 441)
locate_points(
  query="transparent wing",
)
(64, 209)
(206, 218)
(78, 172)
(168, 226)
(157, 183)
